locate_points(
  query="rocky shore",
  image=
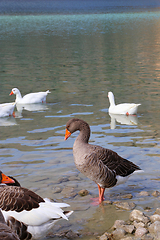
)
(138, 226)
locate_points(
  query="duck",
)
(6, 233)
(38, 97)
(123, 108)
(103, 166)
(6, 109)
(38, 214)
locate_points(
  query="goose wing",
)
(18, 199)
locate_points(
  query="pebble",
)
(138, 216)
(118, 233)
(83, 192)
(140, 231)
(125, 205)
(143, 194)
(69, 192)
(156, 194)
(139, 227)
(155, 217)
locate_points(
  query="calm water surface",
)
(79, 58)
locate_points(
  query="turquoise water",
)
(79, 58)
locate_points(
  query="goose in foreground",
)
(37, 213)
(104, 166)
(123, 108)
(38, 97)
(6, 109)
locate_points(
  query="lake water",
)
(80, 54)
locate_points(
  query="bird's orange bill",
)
(6, 179)
(67, 134)
(11, 93)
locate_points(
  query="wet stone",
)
(155, 217)
(127, 196)
(138, 216)
(118, 224)
(147, 237)
(143, 194)
(129, 228)
(105, 236)
(157, 211)
(127, 238)
(69, 192)
(118, 233)
(74, 178)
(83, 192)
(63, 179)
(138, 224)
(125, 205)
(140, 232)
(57, 190)
(154, 227)
(156, 194)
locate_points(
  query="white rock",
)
(154, 227)
(138, 216)
(155, 217)
(119, 233)
(140, 232)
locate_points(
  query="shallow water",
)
(79, 58)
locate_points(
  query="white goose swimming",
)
(37, 213)
(123, 108)
(6, 109)
(38, 97)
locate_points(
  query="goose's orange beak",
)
(6, 179)
(67, 134)
(11, 93)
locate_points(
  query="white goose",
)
(38, 97)
(6, 109)
(123, 108)
(37, 213)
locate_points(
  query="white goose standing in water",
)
(104, 166)
(123, 108)
(37, 213)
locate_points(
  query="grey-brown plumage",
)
(19, 228)
(101, 165)
(6, 233)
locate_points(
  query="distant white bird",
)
(6, 109)
(38, 97)
(123, 108)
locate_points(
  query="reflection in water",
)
(7, 121)
(123, 119)
(30, 107)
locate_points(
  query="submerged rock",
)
(83, 192)
(125, 205)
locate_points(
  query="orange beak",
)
(11, 93)
(6, 179)
(67, 134)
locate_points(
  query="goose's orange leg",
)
(101, 193)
